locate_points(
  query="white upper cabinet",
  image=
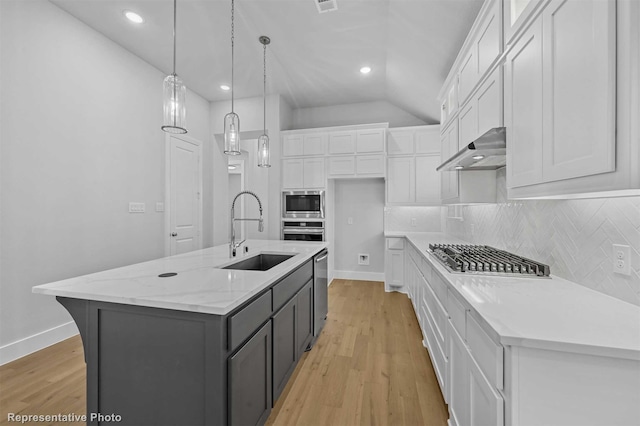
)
(449, 146)
(489, 41)
(560, 93)
(579, 92)
(370, 140)
(468, 76)
(292, 145)
(314, 144)
(342, 142)
(303, 173)
(413, 156)
(313, 173)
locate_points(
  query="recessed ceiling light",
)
(365, 70)
(133, 17)
(459, 167)
(225, 87)
(478, 157)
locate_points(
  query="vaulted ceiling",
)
(313, 59)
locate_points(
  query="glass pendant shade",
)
(175, 111)
(232, 134)
(263, 151)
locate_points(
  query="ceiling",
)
(313, 59)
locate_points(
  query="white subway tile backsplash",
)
(575, 237)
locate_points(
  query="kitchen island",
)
(181, 340)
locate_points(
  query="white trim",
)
(363, 276)
(28, 345)
(167, 189)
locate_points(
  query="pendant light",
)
(231, 120)
(174, 94)
(263, 140)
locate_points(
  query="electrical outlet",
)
(413, 222)
(350, 221)
(363, 259)
(159, 206)
(621, 259)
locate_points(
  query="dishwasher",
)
(320, 292)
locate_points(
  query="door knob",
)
(174, 234)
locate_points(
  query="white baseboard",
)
(38, 341)
(364, 276)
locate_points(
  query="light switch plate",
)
(159, 206)
(136, 207)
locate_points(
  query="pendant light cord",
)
(264, 91)
(232, 40)
(175, 8)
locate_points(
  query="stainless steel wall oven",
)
(303, 231)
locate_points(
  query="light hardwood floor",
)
(368, 367)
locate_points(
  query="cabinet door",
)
(401, 177)
(313, 173)
(488, 101)
(371, 140)
(400, 142)
(370, 165)
(394, 270)
(428, 179)
(304, 326)
(342, 142)
(458, 380)
(449, 180)
(486, 406)
(250, 380)
(489, 41)
(292, 173)
(342, 165)
(523, 108)
(291, 145)
(468, 124)
(579, 67)
(427, 140)
(314, 144)
(284, 346)
(468, 75)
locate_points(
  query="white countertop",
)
(200, 286)
(543, 313)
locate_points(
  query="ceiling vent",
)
(326, 5)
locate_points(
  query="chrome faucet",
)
(232, 244)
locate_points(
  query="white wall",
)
(362, 200)
(348, 114)
(401, 218)
(264, 182)
(80, 138)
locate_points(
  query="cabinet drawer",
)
(340, 166)
(290, 285)
(246, 321)
(370, 164)
(439, 287)
(488, 354)
(457, 313)
(395, 243)
(438, 358)
(438, 315)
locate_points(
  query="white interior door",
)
(184, 185)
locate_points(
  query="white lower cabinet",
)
(394, 264)
(458, 380)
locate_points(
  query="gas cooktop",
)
(486, 260)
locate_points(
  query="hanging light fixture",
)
(174, 94)
(263, 140)
(231, 120)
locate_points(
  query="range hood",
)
(488, 152)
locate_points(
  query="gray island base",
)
(154, 366)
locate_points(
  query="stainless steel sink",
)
(260, 262)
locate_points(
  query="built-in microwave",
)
(303, 204)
